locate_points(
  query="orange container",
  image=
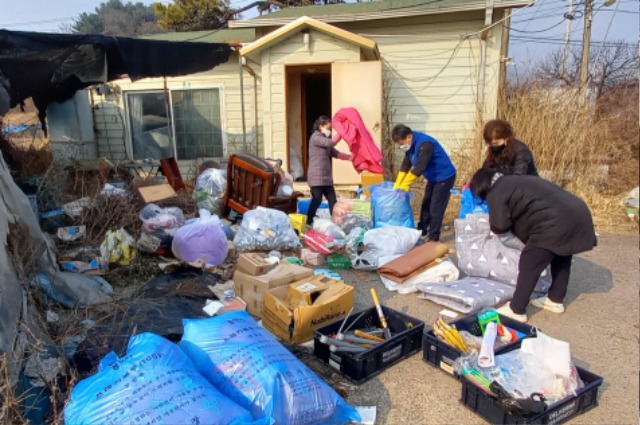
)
(370, 179)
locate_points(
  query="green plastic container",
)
(338, 261)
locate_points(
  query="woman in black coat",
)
(552, 223)
(505, 153)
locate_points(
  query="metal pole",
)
(586, 42)
(567, 37)
(244, 125)
(488, 18)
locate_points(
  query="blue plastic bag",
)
(247, 364)
(391, 207)
(154, 381)
(471, 204)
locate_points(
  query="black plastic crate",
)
(443, 355)
(359, 367)
(486, 406)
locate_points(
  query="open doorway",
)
(308, 96)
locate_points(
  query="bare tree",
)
(609, 65)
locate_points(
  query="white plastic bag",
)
(266, 229)
(202, 239)
(365, 247)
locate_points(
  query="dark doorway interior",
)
(316, 101)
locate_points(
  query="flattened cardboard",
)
(254, 264)
(296, 323)
(156, 193)
(253, 288)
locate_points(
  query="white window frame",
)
(127, 118)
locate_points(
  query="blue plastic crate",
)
(303, 206)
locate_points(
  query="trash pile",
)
(209, 338)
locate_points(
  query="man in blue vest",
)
(425, 156)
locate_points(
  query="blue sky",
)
(536, 30)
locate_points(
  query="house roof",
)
(380, 9)
(368, 46)
(239, 35)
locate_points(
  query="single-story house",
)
(432, 65)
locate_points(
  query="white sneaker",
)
(547, 304)
(505, 310)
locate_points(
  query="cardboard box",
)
(156, 193)
(254, 264)
(288, 314)
(370, 179)
(253, 288)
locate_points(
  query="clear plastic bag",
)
(157, 218)
(329, 228)
(118, 247)
(523, 374)
(365, 247)
(210, 188)
(266, 229)
(353, 221)
(204, 239)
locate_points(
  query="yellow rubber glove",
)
(407, 182)
(399, 180)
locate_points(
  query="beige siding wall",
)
(110, 115)
(322, 49)
(433, 72)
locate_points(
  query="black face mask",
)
(497, 150)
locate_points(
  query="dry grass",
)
(592, 152)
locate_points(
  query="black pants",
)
(434, 204)
(317, 192)
(532, 262)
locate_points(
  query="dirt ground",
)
(601, 324)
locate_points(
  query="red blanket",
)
(365, 155)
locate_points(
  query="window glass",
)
(149, 123)
(197, 123)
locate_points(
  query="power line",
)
(48, 21)
(534, 15)
(538, 31)
(607, 32)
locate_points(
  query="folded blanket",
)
(413, 262)
(467, 295)
(444, 271)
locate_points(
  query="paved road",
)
(601, 324)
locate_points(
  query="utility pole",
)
(504, 58)
(567, 36)
(586, 44)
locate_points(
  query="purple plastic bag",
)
(203, 239)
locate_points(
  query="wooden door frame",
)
(303, 106)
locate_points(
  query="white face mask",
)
(405, 147)
(326, 132)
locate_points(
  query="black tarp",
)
(51, 67)
(158, 307)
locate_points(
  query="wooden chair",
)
(252, 182)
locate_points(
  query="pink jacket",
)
(365, 155)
